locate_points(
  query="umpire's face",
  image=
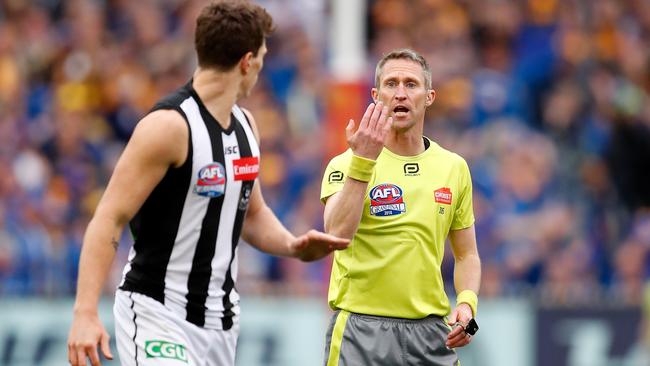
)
(403, 90)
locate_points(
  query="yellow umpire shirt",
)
(392, 266)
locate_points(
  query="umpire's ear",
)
(431, 96)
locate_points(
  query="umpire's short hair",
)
(404, 54)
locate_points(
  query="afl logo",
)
(212, 181)
(386, 200)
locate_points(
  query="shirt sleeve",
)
(334, 176)
(464, 214)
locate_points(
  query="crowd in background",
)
(546, 99)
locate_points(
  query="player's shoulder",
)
(249, 119)
(162, 126)
(168, 119)
(244, 114)
(162, 135)
(174, 99)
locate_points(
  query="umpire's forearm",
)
(467, 273)
(343, 210)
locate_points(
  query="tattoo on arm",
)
(114, 243)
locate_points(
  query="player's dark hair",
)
(227, 30)
(404, 54)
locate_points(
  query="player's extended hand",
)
(86, 332)
(458, 319)
(368, 139)
(315, 245)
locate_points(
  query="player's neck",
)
(218, 92)
(405, 143)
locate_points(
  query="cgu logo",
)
(164, 349)
(386, 193)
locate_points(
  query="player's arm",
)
(158, 142)
(343, 209)
(263, 230)
(467, 276)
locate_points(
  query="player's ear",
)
(374, 93)
(245, 62)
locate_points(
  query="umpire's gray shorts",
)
(366, 340)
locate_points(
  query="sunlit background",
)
(546, 99)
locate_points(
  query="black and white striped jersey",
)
(186, 232)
